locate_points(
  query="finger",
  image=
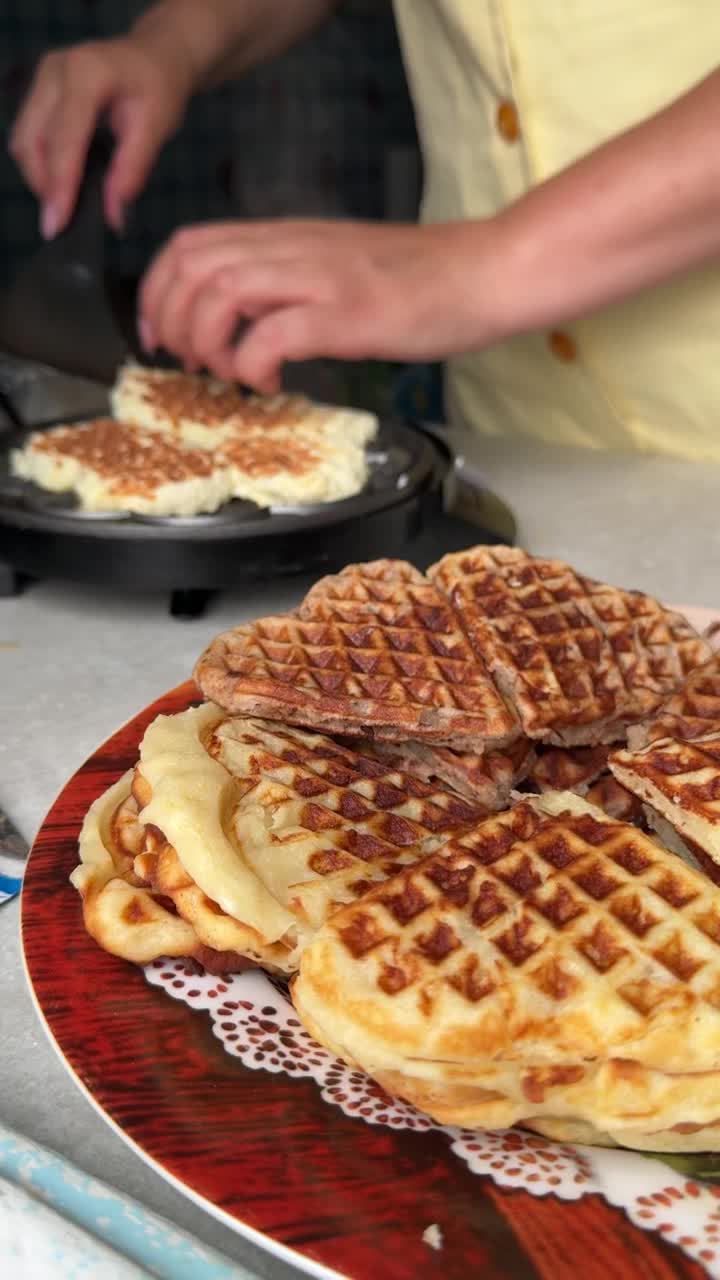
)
(175, 279)
(29, 136)
(171, 316)
(302, 332)
(67, 152)
(212, 328)
(140, 131)
(166, 265)
(284, 235)
(246, 292)
(282, 239)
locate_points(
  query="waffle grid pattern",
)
(692, 712)
(346, 822)
(487, 777)
(384, 653)
(363, 812)
(628, 920)
(568, 769)
(687, 774)
(568, 651)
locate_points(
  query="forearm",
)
(640, 209)
(224, 38)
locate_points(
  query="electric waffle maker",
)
(414, 505)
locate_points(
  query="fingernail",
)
(147, 337)
(49, 221)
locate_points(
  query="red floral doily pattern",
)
(515, 1159)
(255, 1022)
(658, 1198)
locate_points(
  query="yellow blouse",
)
(508, 92)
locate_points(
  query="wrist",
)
(185, 36)
(479, 282)
(526, 277)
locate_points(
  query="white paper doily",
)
(255, 1022)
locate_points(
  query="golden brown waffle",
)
(376, 651)
(568, 768)
(577, 658)
(256, 832)
(681, 782)
(487, 778)
(373, 584)
(584, 770)
(616, 801)
(120, 909)
(692, 712)
(220, 943)
(550, 964)
(168, 400)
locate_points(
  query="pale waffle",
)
(271, 468)
(577, 658)
(376, 651)
(121, 911)
(256, 832)
(551, 966)
(692, 712)
(115, 466)
(196, 410)
(204, 412)
(680, 781)
(487, 777)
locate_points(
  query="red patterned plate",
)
(231, 1101)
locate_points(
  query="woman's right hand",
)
(141, 87)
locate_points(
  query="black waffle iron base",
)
(400, 512)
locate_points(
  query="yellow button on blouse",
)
(507, 121)
(563, 346)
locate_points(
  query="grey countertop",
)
(75, 662)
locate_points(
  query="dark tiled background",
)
(326, 129)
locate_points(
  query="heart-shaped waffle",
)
(376, 650)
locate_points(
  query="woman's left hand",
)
(304, 289)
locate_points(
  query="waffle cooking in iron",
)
(180, 444)
(111, 466)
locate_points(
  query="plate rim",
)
(259, 1238)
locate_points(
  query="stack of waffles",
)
(433, 802)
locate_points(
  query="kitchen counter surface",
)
(76, 661)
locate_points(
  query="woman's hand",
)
(142, 82)
(143, 90)
(302, 289)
